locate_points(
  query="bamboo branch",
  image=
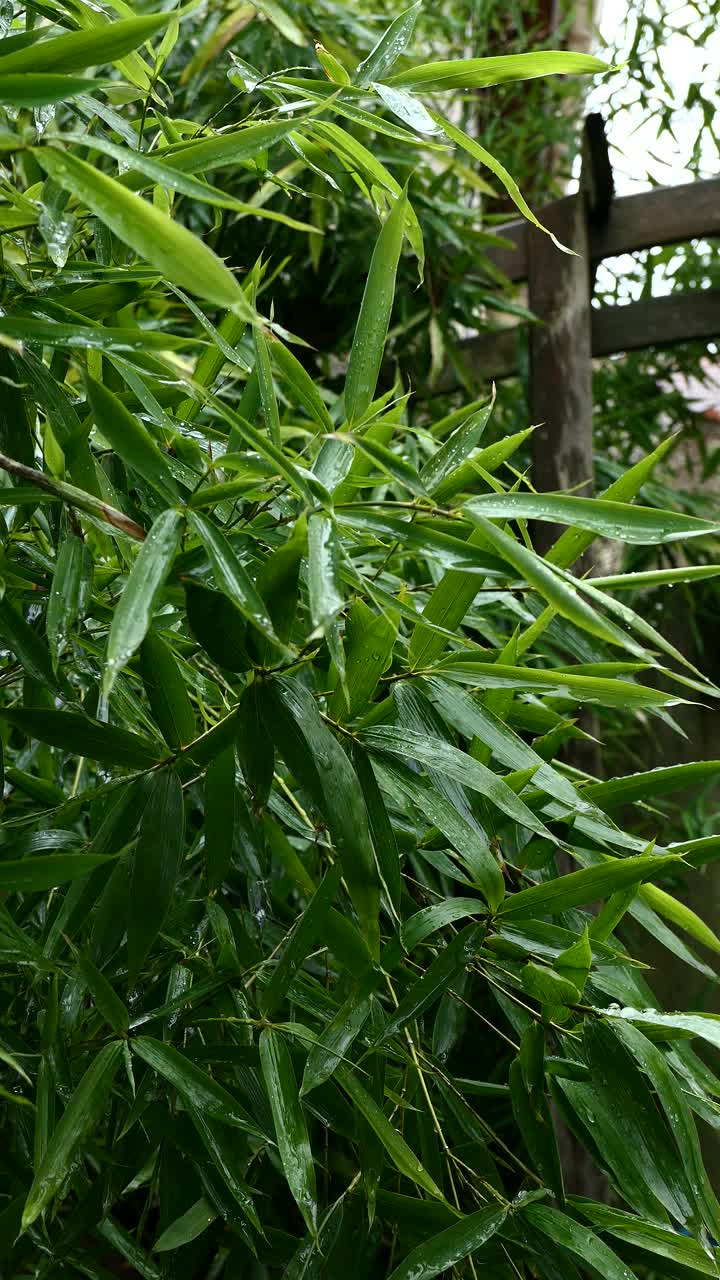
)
(74, 497)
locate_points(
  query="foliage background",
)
(291, 978)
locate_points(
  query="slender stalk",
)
(74, 497)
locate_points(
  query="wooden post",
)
(559, 293)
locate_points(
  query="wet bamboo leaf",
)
(290, 1125)
(133, 614)
(231, 576)
(397, 1148)
(82, 1112)
(195, 1086)
(563, 1230)
(166, 691)
(187, 1227)
(66, 593)
(156, 862)
(389, 47)
(151, 233)
(459, 1241)
(91, 47)
(130, 440)
(107, 1002)
(373, 322)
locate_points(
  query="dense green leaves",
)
(295, 981)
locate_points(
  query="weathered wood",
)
(668, 215)
(654, 322)
(657, 322)
(560, 359)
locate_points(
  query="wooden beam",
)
(560, 359)
(668, 215)
(656, 322)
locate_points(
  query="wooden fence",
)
(560, 287)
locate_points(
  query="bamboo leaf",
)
(461, 1240)
(389, 47)
(479, 73)
(290, 1125)
(151, 233)
(633, 524)
(130, 440)
(368, 345)
(156, 862)
(133, 614)
(197, 1089)
(91, 47)
(82, 1112)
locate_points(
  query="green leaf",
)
(579, 688)
(638, 1151)
(580, 887)
(381, 829)
(81, 1113)
(422, 924)
(670, 1094)
(333, 1043)
(31, 875)
(28, 90)
(231, 576)
(669, 1026)
(535, 1123)
(437, 978)
(146, 579)
(368, 346)
(220, 787)
(389, 47)
(290, 1125)
(547, 582)
(166, 691)
(436, 753)
(407, 108)
(130, 440)
(547, 987)
(218, 626)
(263, 372)
(444, 463)
(156, 862)
(443, 1251)
(301, 384)
(107, 1002)
(620, 520)
(195, 1086)
(679, 914)
(573, 542)
(233, 148)
(26, 646)
(575, 1237)
(472, 848)
(319, 761)
(479, 73)
(91, 47)
(397, 1148)
(187, 1227)
(369, 644)
(323, 572)
(617, 792)
(660, 1241)
(298, 943)
(73, 569)
(82, 736)
(176, 253)
(575, 962)
(223, 1151)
